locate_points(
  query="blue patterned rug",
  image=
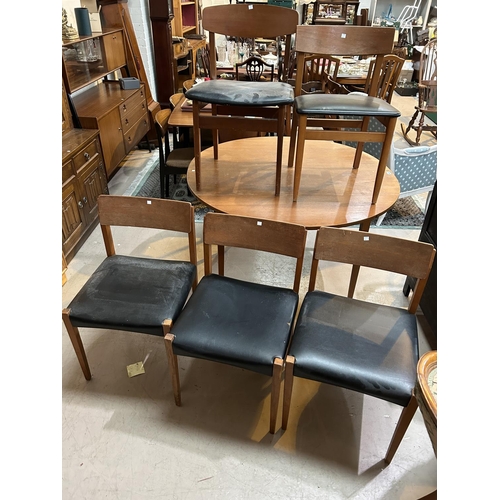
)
(149, 187)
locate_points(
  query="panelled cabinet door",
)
(91, 187)
(73, 218)
(113, 146)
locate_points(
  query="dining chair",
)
(427, 95)
(358, 344)
(254, 68)
(130, 293)
(317, 72)
(181, 135)
(386, 81)
(172, 162)
(234, 321)
(323, 116)
(254, 105)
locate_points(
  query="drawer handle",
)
(124, 107)
(85, 199)
(80, 204)
(126, 121)
(143, 107)
(87, 156)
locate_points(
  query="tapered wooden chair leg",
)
(301, 141)
(401, 427)
(279, 153)
(293, 140)
(172, 364)
(76, 340)
(287, 394)
(384, 158)
(197, 143)
(275, 393)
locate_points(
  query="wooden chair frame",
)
(176, 161)
(388, 78)
(244, 21)
(137, 212)
(254, 68)
(396, 255)
(427, 94)
(223, 230)
(340, 40)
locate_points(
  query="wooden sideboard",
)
(120, 115)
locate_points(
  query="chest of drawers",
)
(120, 115)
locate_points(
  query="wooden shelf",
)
(185, 17)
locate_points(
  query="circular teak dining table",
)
(241, 181)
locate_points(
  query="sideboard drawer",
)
(133, 116)
(132, 102)
(136, 132)
(67, 172)
(88, 154)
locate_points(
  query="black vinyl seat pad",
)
(133, 294)
(340, 104)
(357, 345)
(236, 322)
(242, 93)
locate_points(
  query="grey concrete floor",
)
(124, 438)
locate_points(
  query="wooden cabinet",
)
(335, 12)
(185, 18)
(83, 180)
(121, 116)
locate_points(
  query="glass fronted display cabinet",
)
(89, 59)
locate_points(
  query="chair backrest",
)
(319, 69)
(256, 234)
(249, 21)
(427, 77)
(397, 255)
(154, 213)
(254, 69)
(342, 40)
(388, 77)
(427, 73)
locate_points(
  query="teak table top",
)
(331, 193)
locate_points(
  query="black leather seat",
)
(248, 325)
(238, 322)
(240, 93)
(134, 294)
(348, 104)
(137, 294)
(356, 344)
